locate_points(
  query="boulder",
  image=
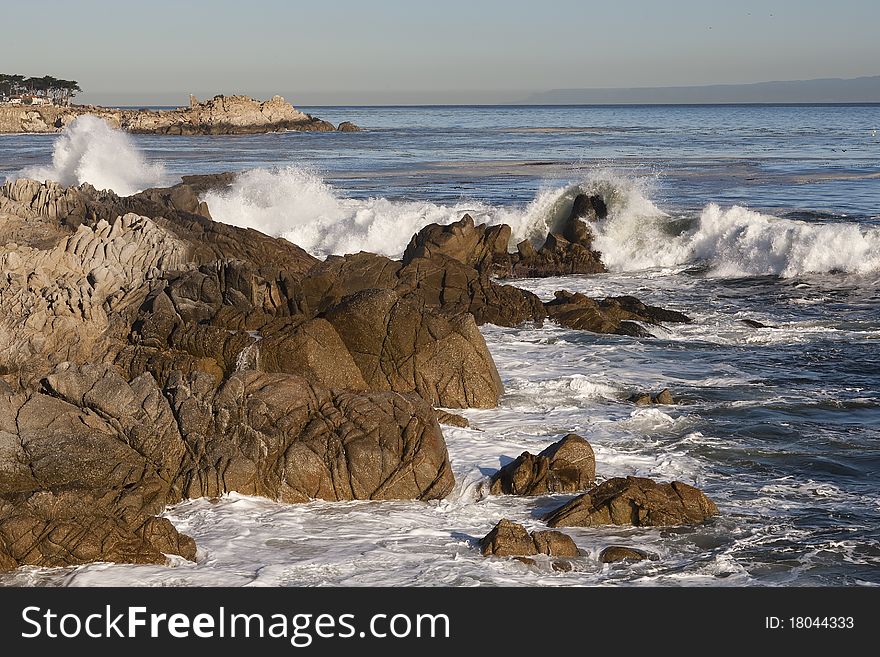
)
(508, 539)
(566, 466)
(635, 501)
(615, 553)
(404, 347)
(347, 126)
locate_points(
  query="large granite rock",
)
(87, 463)
(635, 501)
(452, 287)
(401, 346)
(508, 539)
(566, 466)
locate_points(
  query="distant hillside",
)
(826, 90)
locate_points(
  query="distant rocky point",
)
(221, 115)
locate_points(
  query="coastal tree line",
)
(57, 90)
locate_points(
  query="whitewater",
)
(727, 216)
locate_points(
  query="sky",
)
(391, 51)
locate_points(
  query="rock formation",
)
(635, 501)
(566, 466)
(88, 460)
(221, 115)
(508, 539)
(149, 354)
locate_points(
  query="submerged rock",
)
(647, 399)
(566, 466)
(635, 501)
(508, 539)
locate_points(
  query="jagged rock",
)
(643, 312)
(616, 315)
(635, 501)
(568, 249)
(347, 126)
(401, 346)
(87, 462)
(482, 247)
(63, 303)
(452, 287)
(328, 283)
(452, 419)
(557, 257)
(615, 553)
(508, 539)
(566, 466)
(646, 399)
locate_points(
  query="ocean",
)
(727, 213)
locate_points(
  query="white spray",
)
(89, 150)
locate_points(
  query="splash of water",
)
(90, 151)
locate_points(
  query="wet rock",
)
(663, 397)
(615, 553)
(452, 419)
(566, 466)
(642, 311)
(617, 315)
(756, 324)
(452, 287)
(509, 539)
(482, 247)
(557, 257)
(87, 462)
(569, 250)
(647, 399)
(635, 501)
(401, 346)
(347, 126)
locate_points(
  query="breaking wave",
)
(90, 151)
(297, 204)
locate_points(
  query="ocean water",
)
(728, 213)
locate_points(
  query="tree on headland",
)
(55, 89)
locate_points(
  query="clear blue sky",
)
(386, 51)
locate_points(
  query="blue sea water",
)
(766, 213)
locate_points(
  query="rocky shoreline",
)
(220, 115)
(149, 355)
